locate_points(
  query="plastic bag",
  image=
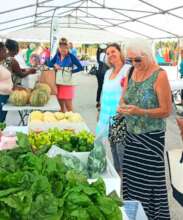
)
(97, 161)
(71, 161)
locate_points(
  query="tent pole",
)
(178, 45)
(52, 25)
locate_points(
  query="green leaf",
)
(100, 186)
(45, 207)
(20, 201)
(7, 162)
(75, 178)
(7, 192)
(79, 199)
(95, 213)
(23, 140)
(80, 214)
(113, 195)
(2, 126)
(109, 208)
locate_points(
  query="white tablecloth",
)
(52, 105)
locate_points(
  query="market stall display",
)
(65, 139)
(24, 111)
(39, 96)
(131, 209)
(39, 121)
(43, 188)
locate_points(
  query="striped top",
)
(142, 94)
(111, 94)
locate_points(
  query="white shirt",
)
(6, 83)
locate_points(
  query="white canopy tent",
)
(92, 21)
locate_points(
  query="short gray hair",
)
(142, 46)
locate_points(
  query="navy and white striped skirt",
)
(144, 173)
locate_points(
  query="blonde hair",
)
(141, 46)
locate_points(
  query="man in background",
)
(102, 68)
(72, 50)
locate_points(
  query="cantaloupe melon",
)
(19, 97)
(39, 97)
(43, 86)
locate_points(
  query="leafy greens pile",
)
(65, 139)
(35, 187)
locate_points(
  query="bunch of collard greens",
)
(35, 187)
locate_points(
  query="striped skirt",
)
(144, 173)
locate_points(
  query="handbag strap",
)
(72, 66)
(130, 73)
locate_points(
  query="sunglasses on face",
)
(136, 60)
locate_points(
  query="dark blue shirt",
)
(69, 61)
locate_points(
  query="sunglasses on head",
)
(63, 44)
(136, 60)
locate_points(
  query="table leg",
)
(23, 115)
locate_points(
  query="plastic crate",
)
(134, 210)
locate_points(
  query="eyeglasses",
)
(136, 60)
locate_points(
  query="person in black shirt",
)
(102, 68)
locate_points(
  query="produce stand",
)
(132, 210)
(24, 111)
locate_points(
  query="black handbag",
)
(117, 124)
(93, 71)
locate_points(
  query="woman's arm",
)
(76, 62)
(162, 88)
(15, 67)
(52, 61)
(21, 72)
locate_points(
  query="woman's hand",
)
(57, 67)
(129, 110)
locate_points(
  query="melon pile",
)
(39, 96)
(37, 116)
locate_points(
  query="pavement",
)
(84, 103)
